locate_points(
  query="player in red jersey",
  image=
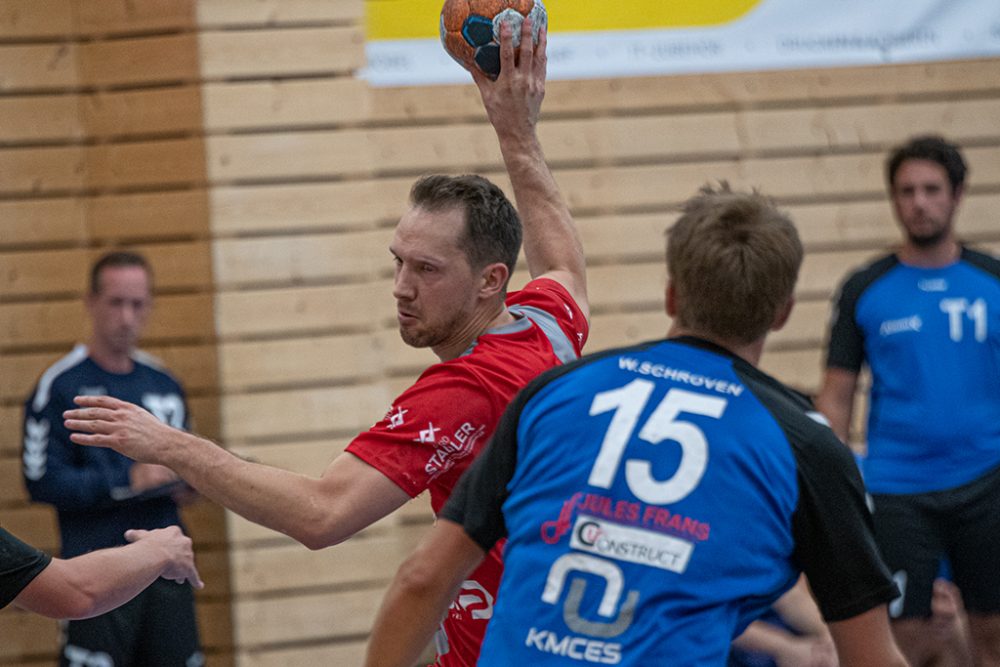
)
(454, 250)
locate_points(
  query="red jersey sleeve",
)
(440, 421)
(548, 295)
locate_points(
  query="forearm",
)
(406, 624)
(551, 240)
(94, 583)
(283, 501)
(836, 400)
(420, 595)
(763, 637)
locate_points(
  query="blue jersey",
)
(89, 486)
(656, 499)
(931, 337)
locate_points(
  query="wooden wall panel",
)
(284, 104)
(228, 13)
(159, 111)
(42, 222)
(100, 100)
(118, 17)
(37, 67)
(293, 51)
(141, 60)
(35, 19)
(297, 208)
(39, 118)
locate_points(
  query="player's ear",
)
(493, 279)
(671, 299)
(781, 318)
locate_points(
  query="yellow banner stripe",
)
(418, 19)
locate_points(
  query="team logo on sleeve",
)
(397, 418)
(428, 436)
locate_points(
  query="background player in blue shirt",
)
(100, 494)
(926, 321)
(658, 498)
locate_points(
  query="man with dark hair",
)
(95, 582)
(656, 499)
(926, 321)
(100, 494)
(454, 250)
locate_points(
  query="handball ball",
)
(470, 29)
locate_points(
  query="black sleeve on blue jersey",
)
(477, 500)
(982, 261)
(846, 343)
(19, 565)
(832, 526)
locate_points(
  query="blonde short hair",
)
(733, 259)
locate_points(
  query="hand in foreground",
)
(514, 100)
(102, 421)
(179, 553)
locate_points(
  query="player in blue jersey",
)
(926, 321)
(656, 499)
(100, 494)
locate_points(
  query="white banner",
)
(664, 38)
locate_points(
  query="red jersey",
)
(436, 428)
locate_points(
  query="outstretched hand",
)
(102, 421)
(514, 100)
(179, 565)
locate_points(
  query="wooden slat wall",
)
(101, 146)
(234, 143)
(300, 226)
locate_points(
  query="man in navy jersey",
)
(656, 499)
(926, 321)
(100, 494)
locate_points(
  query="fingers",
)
(527, 48)
(540, 59)
(88, 425)
(506, 49)
(98, 402)
(135, 534)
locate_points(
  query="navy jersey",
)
(931, 337)
(656, 499)
(19, 565)
(89, 486)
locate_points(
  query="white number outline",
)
(628, 402)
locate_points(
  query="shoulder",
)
(55, 375)
(557, 373)
(862, 278)
(808, 431)
(450, 384)
(155, 368)
(550, 305)
(982, 261)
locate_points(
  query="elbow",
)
(418, 580)
(77, 605)
(318, 533)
